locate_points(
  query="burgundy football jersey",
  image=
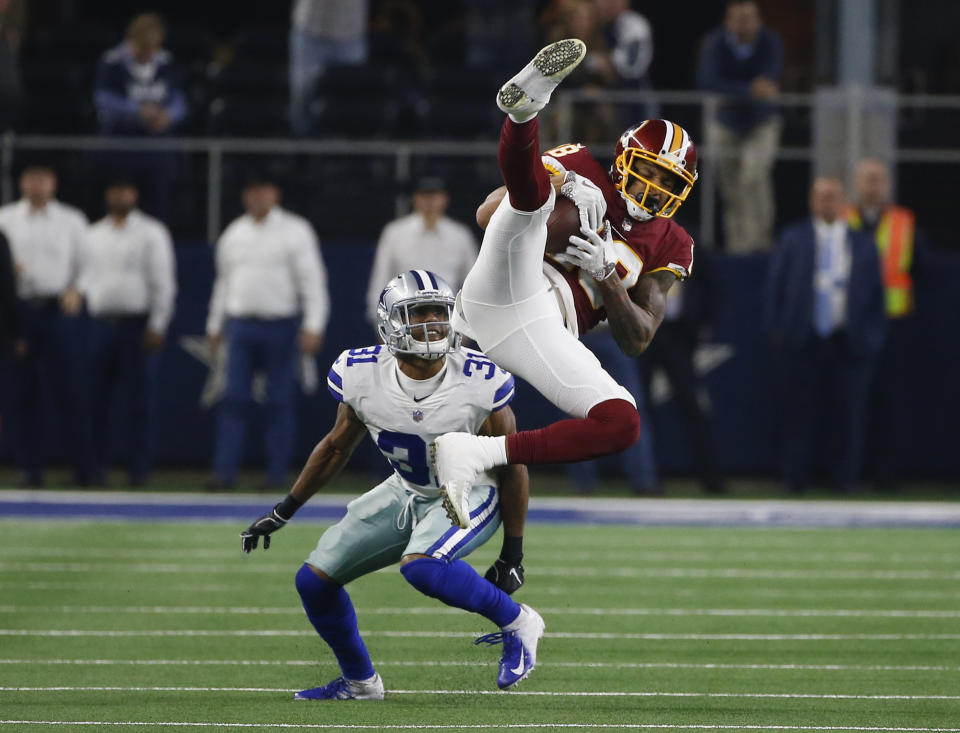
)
(643, 246)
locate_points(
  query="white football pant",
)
(511, 313)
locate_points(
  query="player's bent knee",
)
(410, 558)
(426, 574)
(312, 582)
(631, 428)
(619, 423)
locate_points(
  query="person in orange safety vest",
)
(894, 230)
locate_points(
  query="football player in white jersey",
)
(417, 386)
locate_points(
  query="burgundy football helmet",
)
(660, 143)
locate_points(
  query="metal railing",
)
(564, 110)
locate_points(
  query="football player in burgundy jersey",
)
(641, 197)
(526, 311)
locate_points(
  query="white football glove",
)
(594, 254)
(587, 196)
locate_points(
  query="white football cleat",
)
(458, 459)
(529, 91)
(456, 502)
(530, 627)
(519, 638)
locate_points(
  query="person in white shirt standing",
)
(128, 278)
(47, 239)
(424, 239)
(269, 301)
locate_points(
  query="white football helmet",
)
(414, 313)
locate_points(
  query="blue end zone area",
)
(242, 509)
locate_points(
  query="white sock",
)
(520, 119)
(515, 624)
(494, 450)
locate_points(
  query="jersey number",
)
(407, 454)
(474, 365)
(568, 149)
(627, 260)
(363, 356)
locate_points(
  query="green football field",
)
(152, 626)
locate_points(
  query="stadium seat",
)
(366, 118)
(463, 119)
(355, 101)
(57, 99)
(260, 45)
(69, 44)
(246, 78)
(189, 45)
(459, 105)
(466, 83)
(247, 116)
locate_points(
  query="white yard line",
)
(480, 726)
(434, 663)
(802, 593)
(592, 571)
(659, 592)
(471, 634)
(96, 585)
(445, 610)
(528, 693)
(763, 556)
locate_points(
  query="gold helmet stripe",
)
(677, 138)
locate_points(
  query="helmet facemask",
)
(641, 204)
(421, 328)
(414, 315)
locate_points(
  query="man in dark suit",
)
(824, 312)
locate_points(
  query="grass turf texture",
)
(713, 627)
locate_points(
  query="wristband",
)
(287, 508)
(606, 271)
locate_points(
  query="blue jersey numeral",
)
(407, 454)
(363, 356)
(473, 364)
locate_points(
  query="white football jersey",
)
(402, 427)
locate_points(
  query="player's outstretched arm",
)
(506, 572)
(325, 461)
(490, 204)
(636, 315)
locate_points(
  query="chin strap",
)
(634, 209)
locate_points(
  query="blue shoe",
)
(519, 639)
(344, 689)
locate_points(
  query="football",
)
(564, 220)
